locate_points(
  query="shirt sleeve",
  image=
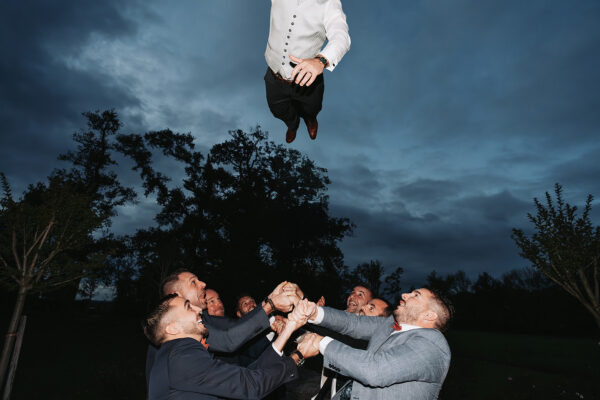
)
(336, 29)
(319, 318)
(323, 344)
(277, 351)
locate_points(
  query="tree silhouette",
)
(393, 288)
(566, 248)
(46, 237)
(250, 210)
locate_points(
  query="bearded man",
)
(407, 356)
(185, 370)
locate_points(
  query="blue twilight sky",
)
(438, 127)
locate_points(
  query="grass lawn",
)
(102, 357)
(509, 366)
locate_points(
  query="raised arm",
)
(242, 330)
(420, 358)
(358, 327)
(192, 370)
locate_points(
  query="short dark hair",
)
(366, 286)
(170, 280)
(388, 310)
(152, 325)
(444, 309)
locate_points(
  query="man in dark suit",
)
(184, 370)
(227, 335)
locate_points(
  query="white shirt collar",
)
(407, 327)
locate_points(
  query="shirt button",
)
(292, 23)
(288, 37)
(286, 43)
(294, 16)
(285, 51)
(282, 63)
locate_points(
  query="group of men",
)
(406, 356)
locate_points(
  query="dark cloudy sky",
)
(439, 126)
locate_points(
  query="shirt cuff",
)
(329, 55)
(323, 344)
(319, 318)
(277, 351)
(270, 336)
(271, 320)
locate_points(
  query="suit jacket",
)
(228, 335)
(232, 335)
(252, 350)
(407, 365)
(185, 370)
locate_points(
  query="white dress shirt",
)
(300, 28)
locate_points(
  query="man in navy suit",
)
(183, 369)
(226, 336)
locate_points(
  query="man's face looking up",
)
(359, 297)
(214, 305)
(192, 289)
(187, 318)
(374, 308)
(245, 305)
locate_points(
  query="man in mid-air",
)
(296, 58)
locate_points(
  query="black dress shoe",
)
(312, 125)
(290, 135)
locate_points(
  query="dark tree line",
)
(520, 301)
(244, 216)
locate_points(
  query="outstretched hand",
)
(321, 301)
(278, 324)
(309, 345)
(293, 288)
(302, 312)
(284, 297)
(306, 70)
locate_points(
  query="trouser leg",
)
(279, 98)
(308, 100)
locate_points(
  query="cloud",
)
(43, 96)
(438, 128)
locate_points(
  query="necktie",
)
(397, 327)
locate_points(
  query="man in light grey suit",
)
(407, 356)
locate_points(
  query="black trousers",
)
(290, 102)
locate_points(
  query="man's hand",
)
(321, 301)
(283, 298)
(292, 288)
(306, 70)
(279, 324)
(309, 345)
(302, 312)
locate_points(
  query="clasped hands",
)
(288, 296)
